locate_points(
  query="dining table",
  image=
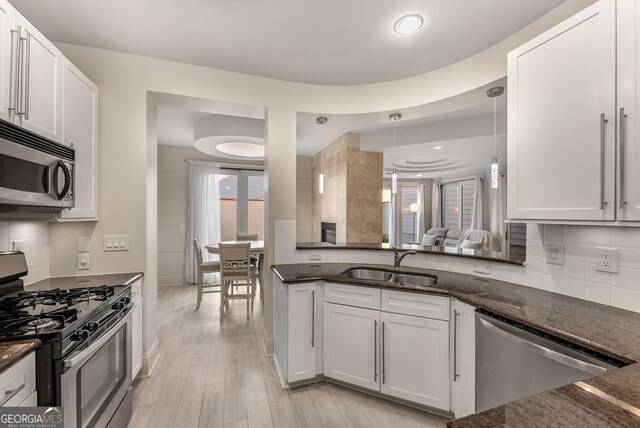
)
(257, 248)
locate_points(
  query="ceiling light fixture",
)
(321, 120)
(418, 175)
(395, 117)
(408, 24)
(495, 93)
(437, 148)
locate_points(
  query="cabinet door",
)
(351, 337)
(562, 120)
(136, 339)
(463, 359)
(415, 359)
(629, 107)
(41, 83)
(8, 59)
(80, 131)
(301, 342)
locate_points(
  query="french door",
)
(241, 203)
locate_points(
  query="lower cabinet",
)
(351, 338)
(136, 328)
(415, 359)
(463, 359)
(301, 332)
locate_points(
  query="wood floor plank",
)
(325, 406)
(258, 411)
(188, 413)
(167, 406)
(304, 409)
(212, 409)
(282, 414)
(141, 416)
(237, 424)
(349, 407)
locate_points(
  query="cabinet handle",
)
(603, 124)
(27, 103)
(9, 394)
(623, 143)
(375, 349)
(384, 377)
(313, 319)
(13, 73)
(21, 107)
(456, 375)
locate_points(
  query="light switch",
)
(116, 243)
(84, 245)
(84, 261)
(555, 253)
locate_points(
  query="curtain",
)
(499, 209)
(203, 214)
(436, 207)
(477, 217)
(425, 213)
(395, 231)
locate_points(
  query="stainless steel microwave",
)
(36, 174)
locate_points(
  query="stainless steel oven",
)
(36, 174)
(97, 379)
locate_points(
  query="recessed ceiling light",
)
(418, 175)
(437, 148)
(408, 24)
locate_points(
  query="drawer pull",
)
(9, 394)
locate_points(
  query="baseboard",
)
(283, 383)
(149, 361)
(267, 343)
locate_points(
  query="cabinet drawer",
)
(136, 290)
(352, 295)
(21, 377)
(420, 305)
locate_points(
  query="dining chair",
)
(203, 267)
(255, 261)
(235, 267)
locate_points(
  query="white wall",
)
(35, 237)
(127, 146)
(304, 218)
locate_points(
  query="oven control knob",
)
(117, 306)
(92, 326)
(126, 300)
(80, 335)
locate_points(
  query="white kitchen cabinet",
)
(40, 90)
(80, 131)
(562, 121)
(463, 359)
(415, 359)
(8, 58)
(628, 109)
(18, 382)
(301, 364)
(136, 328)
(351, 337)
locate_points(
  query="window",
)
(241, 203)
(457, 203)
(409, 219)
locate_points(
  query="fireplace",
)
(328, 232)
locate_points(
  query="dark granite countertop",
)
(112, 279)
(12, 352)
(610, 331)
(491, 256)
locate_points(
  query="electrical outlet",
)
(115, 243)
(555, 253)
(17, 245)
(315, 255)
(84, 261)
(482, 267)
(607, 259)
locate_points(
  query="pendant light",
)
(495, 173)
(395, 117)
(321, 120)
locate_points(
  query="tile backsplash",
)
(35, 239)
(578, 276)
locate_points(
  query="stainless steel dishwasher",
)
(514, 363)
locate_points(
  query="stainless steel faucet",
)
(399, 255)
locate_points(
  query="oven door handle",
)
(81, 355)
(67, 180)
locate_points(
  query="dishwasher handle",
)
(541, 350)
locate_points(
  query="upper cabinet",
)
(80, 131)
(40, 80)
(8, 59)
(562, 121)
(628, 205)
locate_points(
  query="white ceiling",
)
(324, 42)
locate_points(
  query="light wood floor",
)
(212, 374)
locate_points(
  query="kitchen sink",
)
(391, 276)
(370, 274)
